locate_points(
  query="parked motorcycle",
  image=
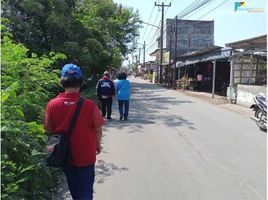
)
(260, 109)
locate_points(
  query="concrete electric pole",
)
(175, 56)
(139, 55)
(144, 54)
(161, 37)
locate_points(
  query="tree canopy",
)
(91, 33)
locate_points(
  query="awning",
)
(259, 42)
(217, 54)
(200, 52)
(155, 52)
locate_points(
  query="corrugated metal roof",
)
(204, 56)
(199, 52)
(252, 43)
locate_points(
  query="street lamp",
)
(150, 24)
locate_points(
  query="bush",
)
(26, 84)
(184, 82)
(89, 91)
(151, 78)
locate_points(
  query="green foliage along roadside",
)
(94, 34)
(27, 82)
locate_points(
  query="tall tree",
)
(117, 24)
(48, 25)
(91, 33)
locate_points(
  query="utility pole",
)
(139, 55)
(136, 62)
(170, 70)
(161, 37)
(132, 58)
(175, 56)
(144, 54)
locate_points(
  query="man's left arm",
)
(99, 136)
(98, 122)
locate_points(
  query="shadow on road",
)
(149, 106)
(104, 169)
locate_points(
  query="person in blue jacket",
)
(106, 91)
(123, 95)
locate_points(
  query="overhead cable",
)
(193, 7)
(148, 23)
(189, 7)
(197, 6)
(199, 9)
(225, 1)
(152, 26)
(153, 39)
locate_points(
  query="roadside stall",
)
(248, 74)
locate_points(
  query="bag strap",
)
(75, 116)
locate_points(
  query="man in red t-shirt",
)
(85, 140)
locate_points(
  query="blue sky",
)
(229, 25)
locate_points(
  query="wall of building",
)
(247, 70)
(244, 70)
(245, 93)
(192, 35)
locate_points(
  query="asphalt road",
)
(178, 147)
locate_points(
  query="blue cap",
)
(71, 69)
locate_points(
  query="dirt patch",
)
(217, 100)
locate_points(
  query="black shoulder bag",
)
(57, 148)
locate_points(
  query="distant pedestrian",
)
(85, 140)
(106, 91)
(123, 95)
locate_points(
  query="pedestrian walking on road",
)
(106, 91)
(85, 140)
(123, 95)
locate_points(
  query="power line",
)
(193, 8)
(213, 9)
(161, 37)
(152, 26)
(153, 38)
(197, 5)
(200, 8)
(148, 23)
(189, 7)
(152, 41)
(166, 10)
(152, 46)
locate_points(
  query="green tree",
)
(91, 33)
(44, 26)
(117, 24)
(40, 25)
(26, 83)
